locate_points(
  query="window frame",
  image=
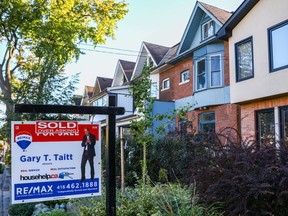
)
(281, 120)
(258, 132)
(182, 77)
(203, 32)
(220, 71)
(200, 124)
(205, 74)
(249, 39)
(163, 86)
(270, 46)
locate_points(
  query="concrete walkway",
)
(5, 192)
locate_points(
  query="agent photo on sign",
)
(88, 143)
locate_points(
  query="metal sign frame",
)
(111, 111)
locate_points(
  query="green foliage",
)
(163, 175)
(25, 209)
(57, 213)
(8, 159)
(143, 102)
(173, 199)
(40, 37)
(145, 200)
(91, 206)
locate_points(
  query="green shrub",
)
(57, 213)
(25, 209)
(146, 200)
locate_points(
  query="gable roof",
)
(89, 90)
(226, 30)
(104, 82)
(164, 65)
(220, 14)
(170, 54)
(157, 51)
(128, 68)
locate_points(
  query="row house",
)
(257, 34)
(84, 101)
(119, 88)
(196, 72)
(152, 55)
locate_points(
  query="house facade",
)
(152, 55)
(198, 73)
(119, 87)
(258, 47)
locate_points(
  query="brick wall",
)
(226, 116)
(248, 117)
(226, 64)
(177, 91)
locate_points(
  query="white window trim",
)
(202, 26)
(186, 81)
(211, 71)
(196, 73)
(163, 89)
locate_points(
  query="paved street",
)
(5, 192)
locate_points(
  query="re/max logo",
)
(34, 190)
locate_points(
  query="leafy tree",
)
(40, 37)
(143, 102)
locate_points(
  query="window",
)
(284, 123)
(149, 61)
(244, 60)
(101, 101)
(215, 71)
(184, 76)
(208, 74)
(166, 84)
(207, 29)
(265, 126)
(153, 90)
(207, 122)
(201, 74)
(278, 46)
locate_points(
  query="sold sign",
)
(56, 127)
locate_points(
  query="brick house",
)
(197, 72)
(259, 67)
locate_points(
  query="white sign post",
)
(54, 160)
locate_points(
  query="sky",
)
(161, 22)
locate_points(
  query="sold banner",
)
(54, 160)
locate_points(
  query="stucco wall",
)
(264, 15)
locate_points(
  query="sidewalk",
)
(5, 192)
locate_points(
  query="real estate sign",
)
(47, 158)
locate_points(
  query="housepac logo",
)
(23, 139)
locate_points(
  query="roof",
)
(226, 30)
(220, 14)
(104, 82)
(128, 68)
(157, 51)
(170, 54)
